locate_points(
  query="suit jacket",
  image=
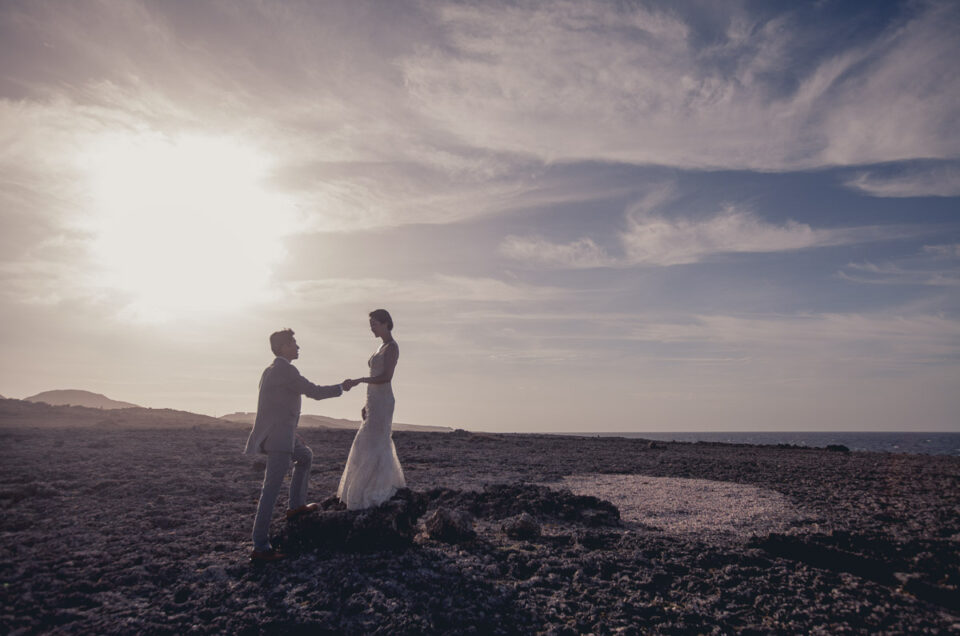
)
(278, 407)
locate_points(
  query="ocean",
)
(928, 443)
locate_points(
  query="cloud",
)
(631, 84)
(441, 112)
(773, 331)
(943, 251)
(662, 241)
(766, 346)
(583, 253)
(935, 265)
(35, 283)
(940, 181)
(351, 162)
(313, 87)
(807, 348)
(438, 288)
(923, 335)
(656, 239)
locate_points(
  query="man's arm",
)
(306, 387)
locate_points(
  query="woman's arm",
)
(390, 356)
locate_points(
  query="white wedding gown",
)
(373, 473)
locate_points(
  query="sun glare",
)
(185, 225)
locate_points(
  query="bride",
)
(373, 473)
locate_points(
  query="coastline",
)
(917, 442)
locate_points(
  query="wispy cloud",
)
(936, 265)
(943, 251)
(630, 84)
(437, 288)
(657, 239)
(940, 181)
(863, 344)
(583, 253)
(449, 113)
(662, 241)
(866, 334)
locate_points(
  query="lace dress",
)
(373, 473)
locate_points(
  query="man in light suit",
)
(274, 434)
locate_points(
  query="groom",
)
(273, 434)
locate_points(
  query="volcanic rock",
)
(451, 526)
(95, 544)
(523, 526)
(391, 525)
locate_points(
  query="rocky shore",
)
(129, 529)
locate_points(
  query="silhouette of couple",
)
(372, 474)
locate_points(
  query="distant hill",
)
(322, 421)
(37, 412)
(73, 397)
(21, 413)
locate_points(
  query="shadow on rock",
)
(502, 501)
(928, 569)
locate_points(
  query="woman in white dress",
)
(373, 473)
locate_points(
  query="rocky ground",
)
(121, 528)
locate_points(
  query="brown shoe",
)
(302, 510)
(263, 556)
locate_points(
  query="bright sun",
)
(185, 225)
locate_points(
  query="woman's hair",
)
(382, 315)
(280, 338)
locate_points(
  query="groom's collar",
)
(282, 359)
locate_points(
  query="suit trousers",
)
(278, 463)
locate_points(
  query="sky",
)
(583, 216)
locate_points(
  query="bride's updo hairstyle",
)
(382, 316)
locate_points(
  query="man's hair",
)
(280, 338)
(382, 315)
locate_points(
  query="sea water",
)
(929, 443)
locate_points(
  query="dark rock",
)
(943, 595)
(451, 526)
(593, 540)
(332, 503)
(389, 526)
(523, 526)
(661, 579)
(838, 448)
